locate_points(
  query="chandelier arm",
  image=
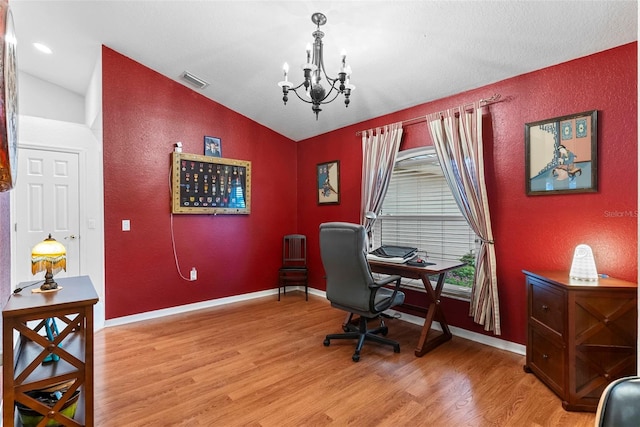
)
(331, 81)
(297, 87)
(326, 76)
(324, 100)
(299, 97)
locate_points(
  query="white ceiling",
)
(403, 53)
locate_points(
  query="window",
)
(420, 211)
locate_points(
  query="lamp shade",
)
(583, 266)
(48, 255)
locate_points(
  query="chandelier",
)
(314, 70)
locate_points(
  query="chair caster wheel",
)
(345, 328)
(326, 342)
(396, 348)
(355, 357)
(384, 331)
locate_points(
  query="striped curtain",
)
(457, 136)
(379, 150)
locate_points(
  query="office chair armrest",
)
(382, 282)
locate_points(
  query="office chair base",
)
(350, 326)
(363, 334)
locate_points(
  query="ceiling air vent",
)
(193, 80)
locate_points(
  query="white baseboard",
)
(459, 332)
(187, 308)
(471, 336)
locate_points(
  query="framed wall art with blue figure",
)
(328, 182)
(561, 154)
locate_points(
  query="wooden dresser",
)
(580, 335)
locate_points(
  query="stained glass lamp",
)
(50, 256)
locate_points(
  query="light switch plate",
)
(126, 225)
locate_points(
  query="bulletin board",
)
(210, 185)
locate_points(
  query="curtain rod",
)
(488, 101)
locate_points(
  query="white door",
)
(46, 198)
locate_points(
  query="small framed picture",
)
(328, 183)
(561, 154)
(212, 146)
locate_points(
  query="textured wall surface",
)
(531, 232)
(144, 115)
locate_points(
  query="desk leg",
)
(434, 312)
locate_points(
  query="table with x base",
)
(434, 309)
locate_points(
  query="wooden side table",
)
(23, 369)
(581, 335)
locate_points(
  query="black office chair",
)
(351, 286)
(619, 405)
(293, 271)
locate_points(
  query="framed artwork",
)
(209, 185)
(8, 100)
(212, 146)
(328, 183)
(561, 154)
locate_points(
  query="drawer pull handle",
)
(545, 307)
(545, 356)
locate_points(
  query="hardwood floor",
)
(262, 363)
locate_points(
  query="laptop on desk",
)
(394, 254)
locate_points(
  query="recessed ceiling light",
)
(43, 48)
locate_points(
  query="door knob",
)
(71, 237)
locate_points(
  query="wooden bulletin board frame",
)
(210, 185)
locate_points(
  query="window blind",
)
(420, 211)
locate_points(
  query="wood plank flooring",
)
(262, 363)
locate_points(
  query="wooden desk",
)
(434, 311)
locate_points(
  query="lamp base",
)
(49, 283)
(40, 291)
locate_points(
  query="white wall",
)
(93, 103)
(39, 98)
(51, 116)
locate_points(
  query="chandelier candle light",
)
(314, 70)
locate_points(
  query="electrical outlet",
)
(194, 274)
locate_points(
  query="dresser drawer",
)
(546, 357)
(547, 306)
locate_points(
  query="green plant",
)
(463, 276)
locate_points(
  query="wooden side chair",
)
(294, 264)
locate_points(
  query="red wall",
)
(531, 232)
(144, 114)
